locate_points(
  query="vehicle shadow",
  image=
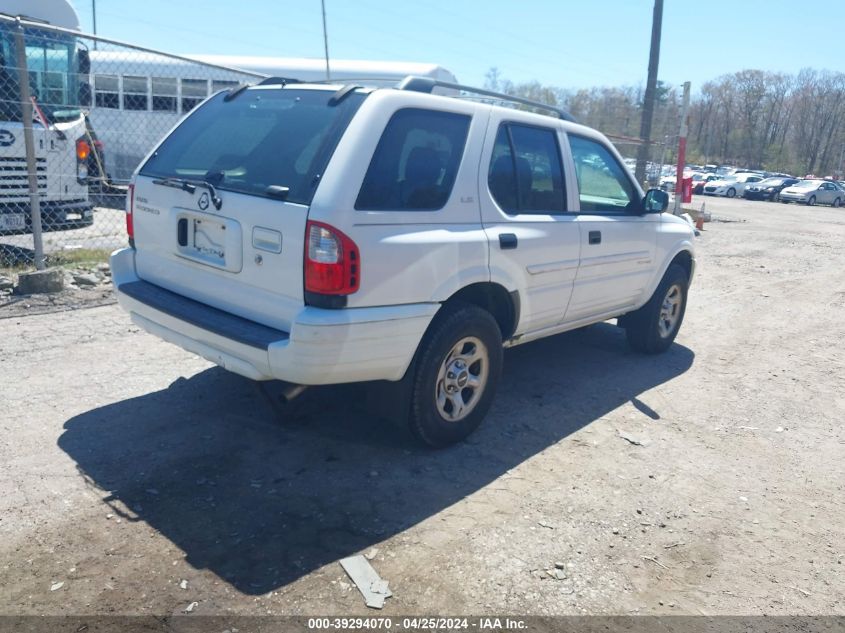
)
(207, 463)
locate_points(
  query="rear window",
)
(260, 138)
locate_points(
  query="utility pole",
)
(94, 18)
(326, 40)
(682, 150)
(29, 144)
(650, 90)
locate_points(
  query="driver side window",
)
(603, 185)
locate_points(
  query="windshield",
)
(807, 184)
(261, 138)
(772, 182)
(51, 64)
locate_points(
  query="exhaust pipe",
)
(291, 391)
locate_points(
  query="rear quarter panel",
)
(406, 256)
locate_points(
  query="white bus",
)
(140, 95)
(55, 61)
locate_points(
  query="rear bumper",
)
(322, 347)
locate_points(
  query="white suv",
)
(326, 234)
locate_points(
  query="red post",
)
(682, 160)
(682, 150)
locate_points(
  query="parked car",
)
(768, 189)
(731, 186)
(328, 234)
(814, 192)
(700, 180)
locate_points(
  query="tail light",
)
(130, 207)
(332, 264)
(83, 151)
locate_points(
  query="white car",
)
(326, 234)
(731, 186)
(812, 192)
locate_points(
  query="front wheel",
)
(653, 328)
(837, 203)
(812, 201)
(456, 375)
(731, 192)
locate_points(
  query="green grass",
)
(81, 257)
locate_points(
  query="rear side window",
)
(416, 162)
(525, 174)
(260, 138)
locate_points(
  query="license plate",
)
(12, 221)
(209, 239)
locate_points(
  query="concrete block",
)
(41, 281)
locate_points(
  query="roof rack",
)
(428, 84)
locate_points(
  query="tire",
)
(775, 197)
(812, 201)
(463, 344)
(837, 203)
(731, 192)
(652, 329)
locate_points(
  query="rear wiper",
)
(191, 186)
(176, 183)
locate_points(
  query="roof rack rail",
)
(428, 84)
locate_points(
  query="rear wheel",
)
(456, 375)
(812, 201)
(837, 203)
(731, 192)
(653, 328)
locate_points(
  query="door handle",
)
(507, 241)
(595, 237)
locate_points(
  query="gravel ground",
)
(137, 479)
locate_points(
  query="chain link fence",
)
(77, 116)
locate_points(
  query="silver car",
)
(814, 192)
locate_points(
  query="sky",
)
(564, 43)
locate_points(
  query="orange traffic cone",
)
(699, 223)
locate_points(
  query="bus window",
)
(106, 93)
(194, 91)
(135, 93)
(164, 94)
(218, 85)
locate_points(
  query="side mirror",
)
(655, 201)
(85, 95)
(84, 62)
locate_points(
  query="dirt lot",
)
(128, 466)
